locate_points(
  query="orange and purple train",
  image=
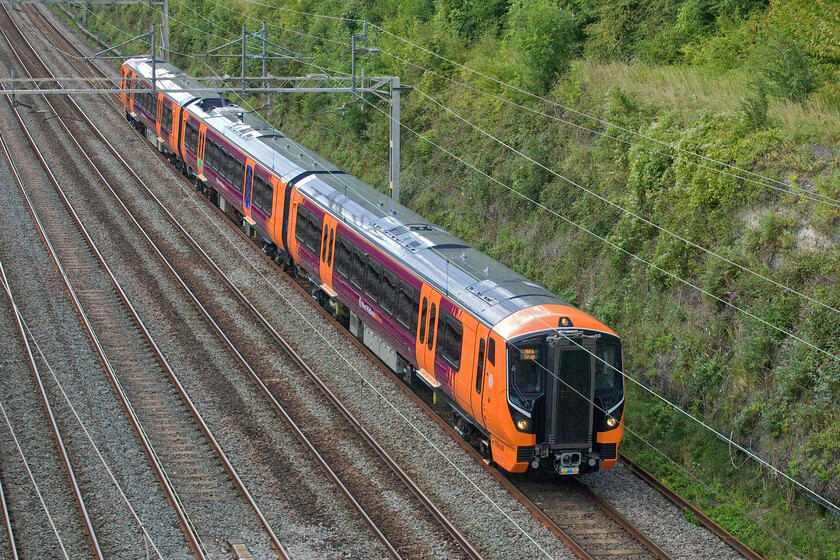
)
(534, 380)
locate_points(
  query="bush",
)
(543, 36)
(785, 64)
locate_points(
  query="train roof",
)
(486, 288)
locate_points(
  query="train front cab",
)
(561, 404)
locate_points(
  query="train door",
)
(132, 88)
(247, 190)
(278, 213)
(479, 369)
(199, 164)
(495, 378)
(159, 118)
(124, 87)
(327, 253)
(426, 334)
(174, 139)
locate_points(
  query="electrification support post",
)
(394, 160)
(154, 63)
(14, 97)
(84, 14)
(264, 42)
(353, 63)
(244, 39)
(264, 54)
(164, 31)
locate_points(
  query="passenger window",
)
(191, 137)
(372, 281)
(452, 342)
(432, 316)
(315, 233)
(388, 293)
(301, 223)
(166, 117)
(423, 311)
(342, 257)
(263, 195)
(405, 306)
(479, 375)
(358, 274)
(441, 333)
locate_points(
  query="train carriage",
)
(535, 380)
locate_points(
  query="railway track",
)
(191, 466)
(353, 428)
(587, 524)
(93, 540)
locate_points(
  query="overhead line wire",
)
(575, 111)
(583, 228)
(810, 196)
(16, 311)
(813, 197)
(34, 484)
(621, 208)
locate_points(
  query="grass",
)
(694, 90)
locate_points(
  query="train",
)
(533, 381)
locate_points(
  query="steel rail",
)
(65, 458)
(412, 486)
(685, 505)
(186, 526)
(613, 514)
(222, 456)
(704, 519)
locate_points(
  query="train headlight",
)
(522, 423)
(612, 422)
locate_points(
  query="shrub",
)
(544, 36)
(785, 64)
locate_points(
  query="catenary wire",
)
(350, 188)
(650, 265)
(575, 111)
(662, 454)
(621, 208)
(718, 434)
(813, 197)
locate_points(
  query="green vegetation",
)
(748, 83)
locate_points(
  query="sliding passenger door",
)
(202, 136)
(429, 312)
(247, 190)
(327, 253)
(159, 117)
(478, 370)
